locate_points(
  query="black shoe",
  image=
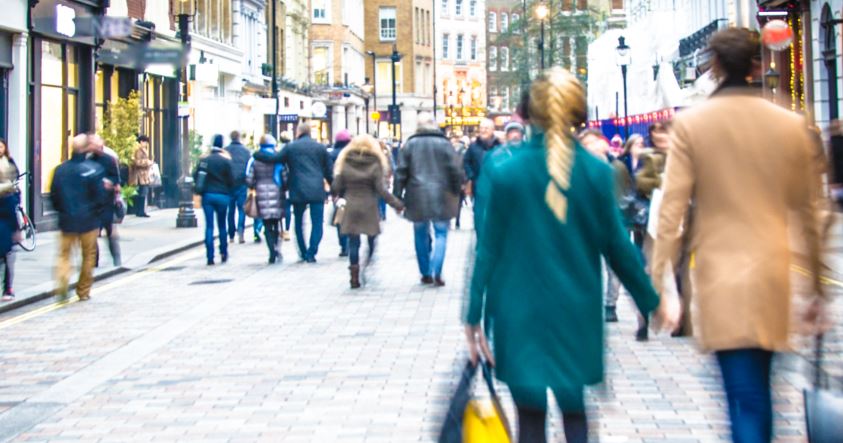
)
(272, 259)
(257, 239)
(643, 332)
(211, 262)
(143, 215)
(611, 314)
(224, 258)
(310, 259)
(427, 280)
(438, 282)
(343, 253)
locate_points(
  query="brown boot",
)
(355, 276)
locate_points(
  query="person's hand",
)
(17, 236)
(477, 344)
(668, 314)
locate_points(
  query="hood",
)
(265, 155)
(362, 163)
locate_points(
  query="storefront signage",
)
(65, 20)
(184, 109)
(288, 118)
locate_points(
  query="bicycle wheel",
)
(27, 241)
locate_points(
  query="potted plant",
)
(120, 132)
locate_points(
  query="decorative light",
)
(542, 11)
(777, 35)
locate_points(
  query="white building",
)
(460, 59)
(654, 29)
(13, 81)
(296, 37)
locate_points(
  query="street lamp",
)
(771, 79)
(185, 10)
(374, 88)
(367, 88)
(623, 61)
(394, 112)
(542, 11)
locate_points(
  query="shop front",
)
(62, 91)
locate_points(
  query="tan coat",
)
(748, 165)
(140, 168)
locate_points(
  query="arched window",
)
(504, 22)
(493, 21)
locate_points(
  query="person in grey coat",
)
(428, 180)
(265, 176)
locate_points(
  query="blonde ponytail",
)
(557, 105)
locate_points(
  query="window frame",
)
(382, 29)
(492, 22)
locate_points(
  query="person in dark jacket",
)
(240, 156)
(77, 193)
(428, 180)
(111, 176)
(214, 179)
(473, 160)
(266, 178)
(309, 167)
(359, 178)
(342, 139)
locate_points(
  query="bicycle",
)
(27, 226)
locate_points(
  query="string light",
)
(793, 73)
(801, 63)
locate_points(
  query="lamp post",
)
(394, 113)
(771, 79)
(185, 10)
(624, 60)
(542, 12)
(367, 88)
(374, 88)
(274, 119)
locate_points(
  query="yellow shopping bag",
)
(483, 423)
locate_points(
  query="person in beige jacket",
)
(139, 174)
(747, 164)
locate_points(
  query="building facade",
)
(405, 26)
(507, 31)
(337, 57)
(14, 43)
(461, 84)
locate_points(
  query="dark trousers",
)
(354, 248)
(271, 226)
(531, 404)
(317, 212)
(238, 200)
(288, 214)
(140, 200)
(746, 379)
(215, 205)
(113, 243)
(8, 272)
(382, 208)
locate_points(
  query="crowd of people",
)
(562, 225)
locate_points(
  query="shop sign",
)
(65, 20)
(318, 110)
(288, 118)
(184, 109)
(62, 19)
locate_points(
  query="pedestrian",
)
(473, 160)
(139, 175)
(266, 178)
(240, 156)
(460, 146)
(596, 143)
(341, 140)
(285, 138)
(111, 181)
(359, 175)
(428, 180)
(9, 227)
(77, 193)
(554, 201)
(741, 274)
(214, 178)
(309, 168)
(387, 179)
(514, 132)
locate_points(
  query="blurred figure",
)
(461, 147)
(555, 201)
(596, 144)
(428, 181)
(240, 156)
(631, 154)
(473, 159)
(111, 181)
(9, 228)
(387, 179)
(285, 138)
(514, 132)
(359, 176)
(266, 178)
(139, 174)
(215, 176)
(309, 167)
(341, 140)
(77, 193)
(741, 245)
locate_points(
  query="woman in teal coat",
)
(537, 282)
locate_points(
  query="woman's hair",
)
(6, 154)
(627, 147)
(267, 139)
(143, 138)
(361, 145)
(736, 51)
(557, 105)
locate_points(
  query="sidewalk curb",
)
(45, 290)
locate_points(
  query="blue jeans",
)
(215, 204)
(317, 213)
(238, 200)
(257, 227)
(430, 254)
(288, 214)
(746, 378)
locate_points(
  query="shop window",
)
(321, 65)
(59, 91)
(384, 77)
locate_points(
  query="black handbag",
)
(201, 178)
(823, 408)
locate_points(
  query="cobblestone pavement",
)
(250, 352)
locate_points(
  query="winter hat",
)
(343, 136)
(513, 126)
(217, 141)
